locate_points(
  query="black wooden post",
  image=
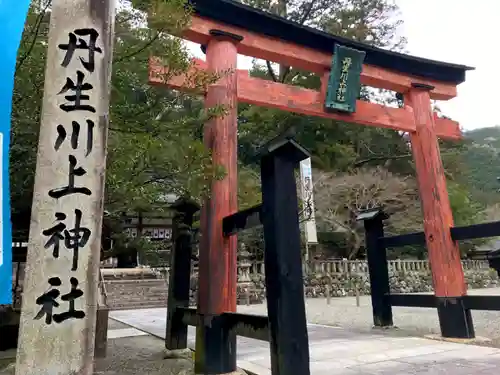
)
(377, 266)
(215, 346)
(180, 273)
(283, 259)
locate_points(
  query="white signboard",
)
(308, 201)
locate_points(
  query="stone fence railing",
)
(251, 270)
(335, 278)
(346, 268)
(357, 267)
(348, 278)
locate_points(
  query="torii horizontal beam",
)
(283, 52)
(305, 101)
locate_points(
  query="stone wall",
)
(400, 282)
(346, 278)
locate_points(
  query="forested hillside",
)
(483, 164)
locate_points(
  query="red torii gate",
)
(226, 28)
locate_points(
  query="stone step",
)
(115, 299)
(137, 299)
(138, 305)
(135, 286)
(134, 282)
(130, 277)
(135, 291)
(129, 290)
(128, 273)
(138, 302)
(141, 297)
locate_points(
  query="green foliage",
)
(483, 164)
(334, 145)
(155, 144)
(155, 141)
(341, 148)
(375, 22)
(27, 102)
(465, 210)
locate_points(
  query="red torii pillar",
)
(444, 254)
(217, 280)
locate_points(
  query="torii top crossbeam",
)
(227, 28)
(273, 38)
(311, 49)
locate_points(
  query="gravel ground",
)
(133, 356)
(127, 356)
(343, 312)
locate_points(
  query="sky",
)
(462, 32)
(454, 31)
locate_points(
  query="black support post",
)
(180, 273)
(377, 266)
(282, 257)
(455, 319)
(215, 346)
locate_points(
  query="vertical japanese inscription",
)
(58, 318)
(48, 301)
(78, 100)
(344, 82)
(74, 43)
(62, 236)
(344, 73)
(74, 239)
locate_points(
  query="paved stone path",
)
(124, 332)
(337, 351)
(414, 321)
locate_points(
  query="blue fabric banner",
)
(12, 18)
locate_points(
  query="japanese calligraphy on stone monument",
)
(74, 142)
(60, 305)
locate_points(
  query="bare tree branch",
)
(270, 71)
(139, 50)
(284, 71)
(360, 163)
(307, 12)
(343, 196)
